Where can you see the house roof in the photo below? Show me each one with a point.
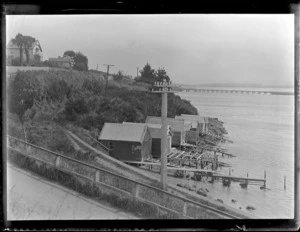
(123, 132)
(175, 124)
(13, 45)
(154, 129)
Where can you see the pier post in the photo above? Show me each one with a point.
(265, 177)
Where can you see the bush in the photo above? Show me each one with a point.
(15, 62)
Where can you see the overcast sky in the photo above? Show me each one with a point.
(193, 49)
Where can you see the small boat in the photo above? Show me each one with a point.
(244, 185)
(226, 182)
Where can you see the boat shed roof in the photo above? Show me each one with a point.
(123, 132)
(175, 124)
(198, 118)
(154, 129)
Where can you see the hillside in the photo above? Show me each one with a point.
(43, 104)
(79, 98)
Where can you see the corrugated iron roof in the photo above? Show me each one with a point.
(154, 129)
(198, 118)
(175, 124)
(192, 121)
(123, 132)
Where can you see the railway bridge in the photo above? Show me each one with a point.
(236, 91)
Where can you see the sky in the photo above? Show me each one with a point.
(193, 49)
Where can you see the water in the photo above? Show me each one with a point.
(262, 129)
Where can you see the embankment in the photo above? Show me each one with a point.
(144, 200)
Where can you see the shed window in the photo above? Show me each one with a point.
(110, 145)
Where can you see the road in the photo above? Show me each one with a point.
(30, 197)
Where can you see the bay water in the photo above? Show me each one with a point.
(262, 130)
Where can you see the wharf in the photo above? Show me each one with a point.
(203, 172)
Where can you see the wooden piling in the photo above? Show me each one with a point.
(265, 177)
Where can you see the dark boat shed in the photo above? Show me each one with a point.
(155, 132)
(127, 142)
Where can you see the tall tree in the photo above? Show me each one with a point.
(161, 75)
(80, 60)
(18, 40)
(147, 72)
(24, 42)
(28, 41)
(69, 53)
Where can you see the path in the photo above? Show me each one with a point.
(33, 198)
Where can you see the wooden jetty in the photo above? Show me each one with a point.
(199, 173)
(222, 152)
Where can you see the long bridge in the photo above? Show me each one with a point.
(232, 91)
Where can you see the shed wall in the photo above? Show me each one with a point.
(124, 150)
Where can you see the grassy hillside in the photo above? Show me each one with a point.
(79, 98)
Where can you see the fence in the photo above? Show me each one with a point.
(159, 202)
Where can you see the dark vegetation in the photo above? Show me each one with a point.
(149, 75)
(79, 98)
(80, 60)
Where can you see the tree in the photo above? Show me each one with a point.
(119, 76)
(24, 42)
(69, 53)
(18, 40)
(28, 41)
(80, 60)
(161, 74)
(148, 72)
(22, 96)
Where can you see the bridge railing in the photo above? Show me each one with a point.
(163, 200)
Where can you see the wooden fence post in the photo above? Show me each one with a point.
(97, 176)
(184, 209)
(57, 161)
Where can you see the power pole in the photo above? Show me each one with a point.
(137, 71)
(107, 65)
(164, 88)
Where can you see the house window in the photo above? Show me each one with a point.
(110, 145)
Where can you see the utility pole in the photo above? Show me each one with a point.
(164, 88)
(137, 71)
(107, 65)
